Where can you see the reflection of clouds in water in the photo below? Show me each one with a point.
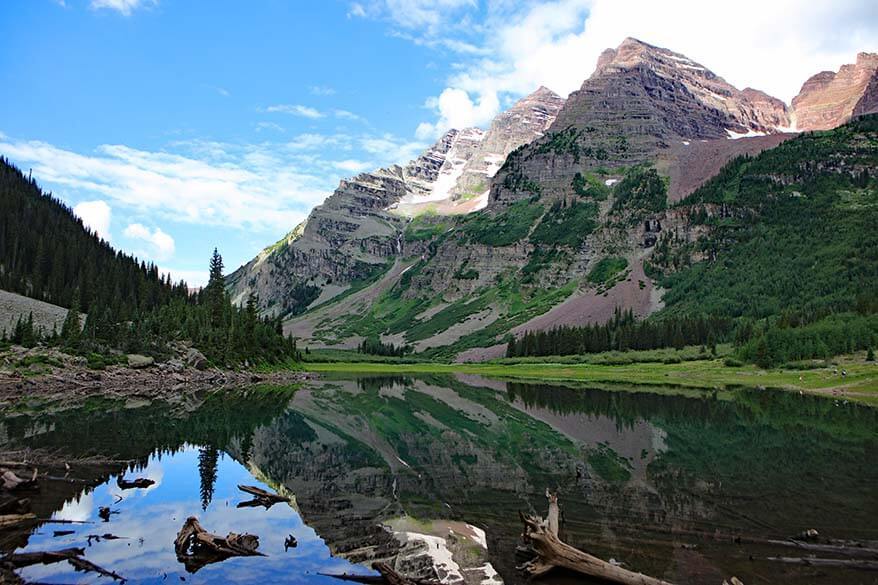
(150, 518)
(78, 509)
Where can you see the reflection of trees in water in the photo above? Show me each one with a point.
(378, 383)
(108, 429)
(208, 458)
(804, 455)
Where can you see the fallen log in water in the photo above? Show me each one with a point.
(196, 547)
(8, 520)
(260, 497)
(388, 576)
(551, 552)
(828, 563)
(71, 555)
(140, 482)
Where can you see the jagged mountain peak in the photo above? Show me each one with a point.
(747, 112)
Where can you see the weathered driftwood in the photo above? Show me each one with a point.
(140, 482)
(8, 520)
(71, 555)
(551, 553)
(828, 563)
(9, 480)
(196, 547)
(260, 497)
(104, 513)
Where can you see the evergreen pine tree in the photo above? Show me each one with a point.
(216, 292)
(72, 327)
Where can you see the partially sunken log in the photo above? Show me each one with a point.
(140, 482)
(388, 576)
(552, 552)
(8, 520)
(260, 497)
(196, 547)
(71, 555)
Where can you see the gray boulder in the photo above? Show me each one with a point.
(195, 359)
(137, 361)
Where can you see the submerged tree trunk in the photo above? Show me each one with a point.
(552, 552)
(196, 547)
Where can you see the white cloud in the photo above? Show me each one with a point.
(295, 110)
(456, 110)
(356, 10)
(260, 126)
(353, 166)
(346, 115)
(321, 90)
(125, 7)
(161, 245)
(267, 186)
(96, 216)
(772, 46)
(253, 186)
(430, 15)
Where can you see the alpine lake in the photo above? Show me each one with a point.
(686, 485)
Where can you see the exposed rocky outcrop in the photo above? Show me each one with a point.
(359, 227)
(829, 99)
(640, 102)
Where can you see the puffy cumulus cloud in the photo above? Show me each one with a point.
(96, 216)
(773, 46)
(161, 245)
(456, 110)
(125, 7)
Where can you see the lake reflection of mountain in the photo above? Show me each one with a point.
(631, 466)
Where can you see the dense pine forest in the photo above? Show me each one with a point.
(787, 268)
(47, 253)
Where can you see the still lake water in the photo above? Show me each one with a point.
(656, 480)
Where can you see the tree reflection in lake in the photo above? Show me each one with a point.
(631, 466)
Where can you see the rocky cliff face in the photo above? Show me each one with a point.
(640, 102)
(747, 110)
(358, 229)
(830, 99)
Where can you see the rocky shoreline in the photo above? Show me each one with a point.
(45, 375)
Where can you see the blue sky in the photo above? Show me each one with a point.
(173, 126)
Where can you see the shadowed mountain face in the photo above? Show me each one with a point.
(659, 481)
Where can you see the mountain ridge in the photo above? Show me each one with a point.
(645, 130)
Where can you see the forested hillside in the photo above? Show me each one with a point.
(786, 264)
(47, 253)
